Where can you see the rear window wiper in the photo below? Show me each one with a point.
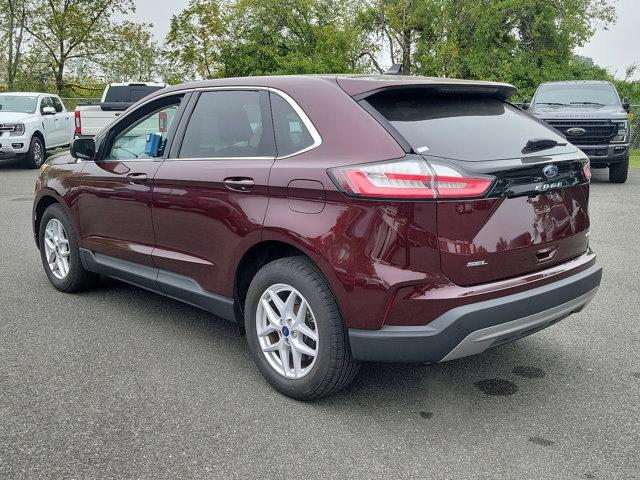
(553, 103)
(536, 144)
(588, 103)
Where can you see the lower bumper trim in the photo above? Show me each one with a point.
(471, 329)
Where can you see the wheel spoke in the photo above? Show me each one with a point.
(272, 316)
(284, 358)
(303, 347)
(302, 312)
(288, 305)
(277, 301)
(274, 347)
(297, 359)
(307, 332)
(271, 328)
(50, 243)
(63, 254)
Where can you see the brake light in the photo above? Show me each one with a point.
(78, 122)
(410, 178)
(586, 171)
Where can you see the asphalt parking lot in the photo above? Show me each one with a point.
(121, 383)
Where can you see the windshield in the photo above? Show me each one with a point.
(462, 127)
(577, 94)
(18, 103)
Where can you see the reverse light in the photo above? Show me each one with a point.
(409, 178)
(78, 122)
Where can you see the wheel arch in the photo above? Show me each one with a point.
(256, 257)
(38, 133)
(47, 197)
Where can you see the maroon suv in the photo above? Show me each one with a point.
(340, 219)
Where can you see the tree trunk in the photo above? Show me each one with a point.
(406, 52)
(10, 76)
(59, 77)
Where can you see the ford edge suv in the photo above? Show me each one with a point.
(338, 219)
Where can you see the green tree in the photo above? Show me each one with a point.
(295, 37)
(194, 40)
(137, 56)
(68, 30)
(13, 16)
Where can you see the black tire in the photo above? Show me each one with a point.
(334, 367)
(36, 155)
(78, 279)
(618, 172)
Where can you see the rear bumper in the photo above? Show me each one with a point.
(473, 328)
(603, 155)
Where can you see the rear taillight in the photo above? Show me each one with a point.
(586, 171)
(409, 178)
(78, 122)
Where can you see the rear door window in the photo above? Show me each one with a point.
(462, 126)
(229, 124)
(292, 135)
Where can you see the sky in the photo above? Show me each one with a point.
(615, 48)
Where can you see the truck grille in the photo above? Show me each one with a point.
(595, 131)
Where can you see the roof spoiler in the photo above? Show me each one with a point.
(499, 91)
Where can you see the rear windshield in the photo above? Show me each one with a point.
(577, 94)
(463, 127)
(129, 94)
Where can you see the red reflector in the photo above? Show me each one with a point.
(78, 122)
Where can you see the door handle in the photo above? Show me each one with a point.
(137, 177)
(239, 184)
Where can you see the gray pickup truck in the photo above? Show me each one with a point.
(590, 114)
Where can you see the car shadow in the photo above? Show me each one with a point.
(506, 371)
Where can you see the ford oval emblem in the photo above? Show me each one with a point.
(576, 131)
(550, 171)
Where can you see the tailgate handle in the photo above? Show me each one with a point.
(546, 254)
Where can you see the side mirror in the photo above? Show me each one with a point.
(84, 149)
(48, 111)
(626, 104)
(526, 103)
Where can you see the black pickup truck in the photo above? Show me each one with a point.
(590, 114)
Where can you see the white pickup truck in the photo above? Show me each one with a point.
(31, 124)
(92, 118)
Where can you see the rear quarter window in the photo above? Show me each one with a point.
(462, 126)
(291, 133)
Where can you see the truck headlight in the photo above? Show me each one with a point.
(18, 129)
(623, 132)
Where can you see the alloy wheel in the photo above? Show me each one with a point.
(38, 153)
(287, 331)
(56, 248)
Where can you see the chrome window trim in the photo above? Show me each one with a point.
(315, 135)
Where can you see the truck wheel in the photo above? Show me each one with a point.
(618, 172)
(295, 331)
(36, 154)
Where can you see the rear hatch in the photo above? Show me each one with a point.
(534, 213)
